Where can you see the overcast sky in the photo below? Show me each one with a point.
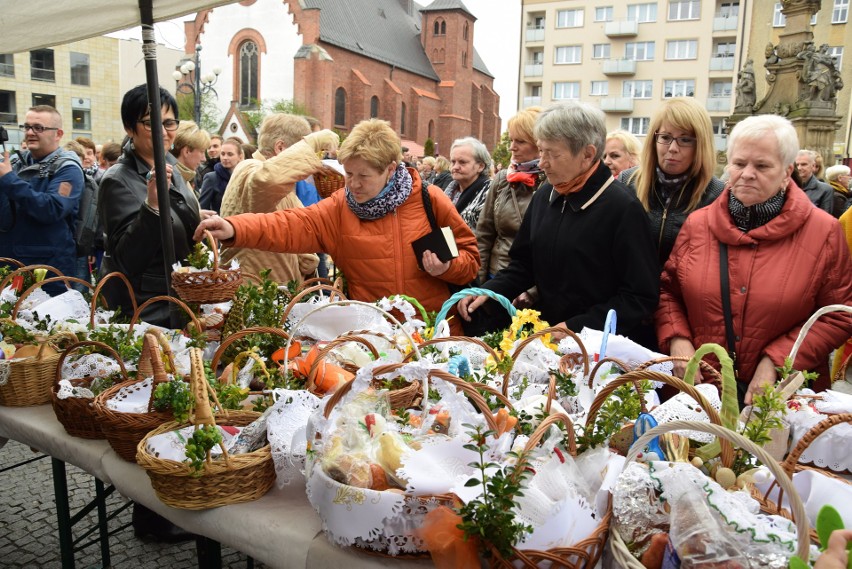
(496, 38)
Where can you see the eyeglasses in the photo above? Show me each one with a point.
(36, 128)
(168, 124)
(667, 139)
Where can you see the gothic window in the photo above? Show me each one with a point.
(249, 71)
(374, 107)
(464, 59)
(464, 32)
(431, 129)
(340, 107)
(437, 28)
(443, 28)
(402, 120)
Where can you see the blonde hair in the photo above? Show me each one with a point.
(430, 160)
(442, 164)
(189, 135)
(628, 140)
(373, 141)
(284, 127)
(76, 148)
(521, 125)
(686, 114)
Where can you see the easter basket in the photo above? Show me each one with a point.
(207, 287)
(232, 479)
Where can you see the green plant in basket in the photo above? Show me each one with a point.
(767, 414)
(199, 444)
(489, 518)
(127, 345)
(623, 406)
(174, 396)
(787, 370)
(255, 305)
(200, 257)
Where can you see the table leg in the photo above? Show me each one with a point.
(209, 553)
(63, 514)
(103, 519)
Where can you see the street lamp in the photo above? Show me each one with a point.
(203, 83)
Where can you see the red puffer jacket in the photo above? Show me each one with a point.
(375, 256)
(780, 274)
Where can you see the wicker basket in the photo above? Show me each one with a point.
(231, 480)
(96, 294)
(620, 552)
(125, 430)
(208, 287)
(328, 181)
(182, 305)
(77, 414)
(25, 269)
(307, 291)
(27, 381)
(584, 355)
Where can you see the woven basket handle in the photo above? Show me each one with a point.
(99, 345)
(39, 284)
(27, 269)
(446, 339)
(338, 394)
(810, 322)
(606, 359)
(798, 508)
(325, 350)
(138, 313)
(789, 463)
(235, 368)
(10, 261)
(477, 387)
(706, 368)
(333, 292)
(220, 351)
(532, 337)
(100, 286)
(634, 377)
(473, 291)
(203, 413)
(213, 246)
(387, 315)
(152, 359)
(544, 426)
(336, 284)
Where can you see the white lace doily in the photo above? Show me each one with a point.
(132, 398)
(70, 305)
(89, 365)
(682, 407)
(331, 322)
(832, 449)
(171, 445)
(286, 431)
(67, 390)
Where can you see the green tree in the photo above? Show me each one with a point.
(501, 152)
(211, 120)
(429, 147)
(255, 116)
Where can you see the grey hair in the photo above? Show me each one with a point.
(574, 124)
(834, 172)
(756, 127)
(480, 153)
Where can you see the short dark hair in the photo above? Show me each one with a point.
(86, 143)
(135, 105)
(111, 151)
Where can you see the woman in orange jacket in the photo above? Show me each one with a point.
(368, 228)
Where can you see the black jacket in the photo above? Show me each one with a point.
(133, 239)
(667, 221)
(820, 193)
(443, 180)
(586, 254)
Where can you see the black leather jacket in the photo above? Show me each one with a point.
(667, 219)
(133, 239)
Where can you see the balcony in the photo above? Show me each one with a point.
(9, 118)
(535, 34)
(725, 23)
(619, 67)
(532, 102)
(721, 63)
(40, 74)
(533, 70)
(720, 142)
(621, 28)
(617, 105)
(719, 104)
(7, 69)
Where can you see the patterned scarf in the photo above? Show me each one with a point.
(575, 185)
(667, 185)
(188, 174)
(524, 172)
(391, 197)
(747, 218)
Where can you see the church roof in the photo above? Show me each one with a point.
(447, 5)
(381, 30)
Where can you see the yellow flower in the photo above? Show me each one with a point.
(522, 319)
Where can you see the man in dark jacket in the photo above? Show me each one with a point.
(820, 193)
(39, 196)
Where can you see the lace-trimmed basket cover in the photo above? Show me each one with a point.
(232, 479)
(381, 522)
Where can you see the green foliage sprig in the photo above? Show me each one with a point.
(622, 406)
(199, 257)
(175, 396)
(14, 333)
(126, 344)
(489, 518)
(261, 305)
(766, 415)
(787, 369)
(197, 446)
(565, 384)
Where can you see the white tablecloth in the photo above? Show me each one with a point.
(281, 529)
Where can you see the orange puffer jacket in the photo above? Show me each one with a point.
(375, 256)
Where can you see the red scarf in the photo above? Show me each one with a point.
(575, 185)
(526, 178)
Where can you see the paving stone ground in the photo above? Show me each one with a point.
(28, 530)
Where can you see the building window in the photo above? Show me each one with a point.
(841, 12)
(249, 70)
(465, 31)
(639, 51)
(837, 53)
(600, 88)
(41, 65)
(464, 59)
(44, 99)
(79, 68)
(443, 28)
(436, 29)
(636, 125)
(601, 51)
(729, 10)
(566, 90)
(81, 114)
(779, 20)
(603, 14)
(684, 9)
(725, 49)
(402, 120)
(7, 65)
(720, 128)
(374, 107)
(642, 13)
(681, 49)
(340, 107)
(721, 88)
(679, 88)
(569, 18)
(535, 90)
(8, 109)
(430, 130)
(638, 89)
(569, 54)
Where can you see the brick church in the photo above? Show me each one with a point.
(413, 66)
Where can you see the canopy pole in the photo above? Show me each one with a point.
(149, 51)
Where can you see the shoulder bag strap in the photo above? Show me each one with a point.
(427, 205)
(726, 301)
